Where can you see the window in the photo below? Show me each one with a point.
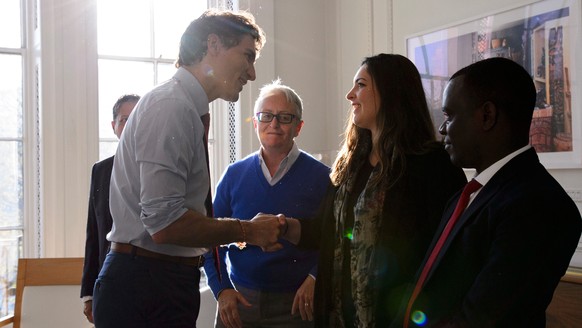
(92, 53)
(138, 53)
(11, 149)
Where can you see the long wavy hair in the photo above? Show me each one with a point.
(403, 121)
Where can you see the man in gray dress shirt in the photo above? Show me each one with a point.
(160, 183)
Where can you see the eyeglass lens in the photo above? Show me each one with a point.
(281, 118)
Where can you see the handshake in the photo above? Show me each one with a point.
(264, 230)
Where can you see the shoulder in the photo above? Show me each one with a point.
(101, 173)
(166, 108)
(532, 196)
(246, 161)
(243, 164)
(436, 157)
(166, 102)
(311, 161)
(435, 169)
(526, 177)
(162, 119)
(104, 165)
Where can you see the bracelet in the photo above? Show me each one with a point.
(286, 227)
(242, 244)
(244, 233)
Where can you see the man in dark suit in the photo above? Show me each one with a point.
(505, 254)
(99, 218)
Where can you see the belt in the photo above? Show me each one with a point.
(197, 261)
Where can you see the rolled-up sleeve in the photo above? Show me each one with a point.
(167, 143)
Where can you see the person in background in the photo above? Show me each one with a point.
(269, 289)
(98, 217)
(392, 180)
(506, 253)
(160, 184)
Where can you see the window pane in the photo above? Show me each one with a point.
(11, 96)
(117, 78)
(107, 149)
(165, 72)
(171, 17)
(124, 28)
(10, 21)
(132, 40)
(10, 251)
(11, 193)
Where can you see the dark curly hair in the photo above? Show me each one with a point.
(229, 26)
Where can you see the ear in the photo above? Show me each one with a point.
(213, 43)
(489, 115)
(254, 122)
(298, 128)
(113, 126)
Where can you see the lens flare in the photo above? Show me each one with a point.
(419, 318)
(349, 234)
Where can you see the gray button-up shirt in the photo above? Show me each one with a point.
(160, 170)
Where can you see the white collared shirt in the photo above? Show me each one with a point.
(160, 169)
(484, 177)
(284, 166)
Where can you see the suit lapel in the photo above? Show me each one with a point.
(502, 177)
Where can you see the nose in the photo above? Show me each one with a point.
(251, 72)
(350, 95)
(274, 122)
(443, 128)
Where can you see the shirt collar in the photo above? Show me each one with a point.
(284, 166)
(291, 156)
(489, 172)
(193, 89)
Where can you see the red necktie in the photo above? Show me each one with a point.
(208, 202)
(470, 188)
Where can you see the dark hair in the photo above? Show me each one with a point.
(504, 83)
(229, 26)
(121, 100)
(403, 121)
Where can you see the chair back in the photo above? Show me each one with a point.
(47, 293)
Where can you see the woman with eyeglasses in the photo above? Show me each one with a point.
(391, 181)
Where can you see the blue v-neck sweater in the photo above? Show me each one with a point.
(242, 192)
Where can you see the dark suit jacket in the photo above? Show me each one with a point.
(98, 224)
(506, 255)
(411, 214)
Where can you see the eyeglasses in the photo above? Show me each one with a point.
(266, 117)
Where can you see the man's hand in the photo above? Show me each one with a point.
(228, 300)
(88, 310)
(304, 299)
(264, 231)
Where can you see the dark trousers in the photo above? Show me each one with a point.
(268, 310)
(134, 291)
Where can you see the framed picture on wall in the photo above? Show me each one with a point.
(545, 38)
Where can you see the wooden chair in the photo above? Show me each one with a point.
(47, 294)
(565, 310)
